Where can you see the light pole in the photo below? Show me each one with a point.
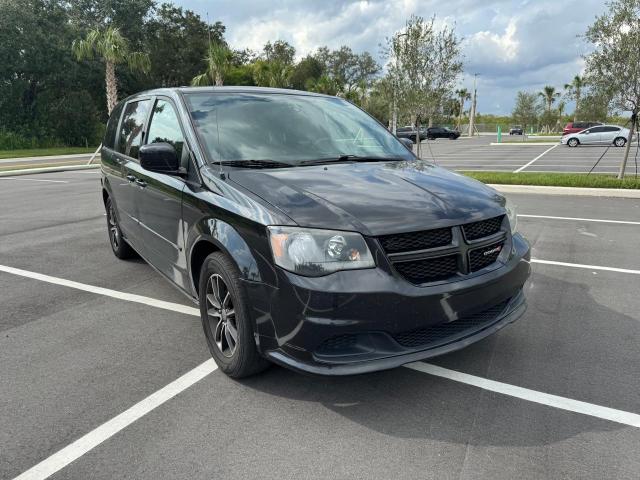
(472, 114)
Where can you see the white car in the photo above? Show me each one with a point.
(598, 135)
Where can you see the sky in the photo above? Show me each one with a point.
(512, 45)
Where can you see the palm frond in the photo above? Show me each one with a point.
(201, 80)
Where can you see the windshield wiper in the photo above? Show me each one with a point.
(256, 163)
(352, 158)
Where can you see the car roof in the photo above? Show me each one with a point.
(231, 89)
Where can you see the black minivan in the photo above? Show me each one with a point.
(310, 236)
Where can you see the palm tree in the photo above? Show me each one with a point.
(113, 49)
(218, 64)
(463, 94)
(272, 73)
(561, 106)
(323, 84)
(574, 90)
(549, 96)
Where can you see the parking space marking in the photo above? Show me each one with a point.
(562, 403)
(587, 267)
(33, 180)
(129, 297)
(624, 222)
(95, 437)
(533, 161)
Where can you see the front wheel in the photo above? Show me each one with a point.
(224, 310)
(620, 142)
(573, 142)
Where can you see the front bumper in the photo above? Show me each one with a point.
(361, 321)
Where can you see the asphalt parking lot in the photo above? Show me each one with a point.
(87, 369)
(478, 154)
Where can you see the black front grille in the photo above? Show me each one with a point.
(484, 256)
(428, 269)
(484, 228)
(450, 331)
(404, 242)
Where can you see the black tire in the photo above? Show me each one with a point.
(573, 142)
(119, 245)
(620, 142)
(239, 359)
(452, 137)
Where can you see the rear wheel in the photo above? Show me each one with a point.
(119, 245)
(224, 310)
(620, 142)
(573, 142)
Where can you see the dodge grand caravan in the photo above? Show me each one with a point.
(308, 234)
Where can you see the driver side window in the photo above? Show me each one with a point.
(165, 128)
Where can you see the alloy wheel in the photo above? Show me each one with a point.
(221, 315)
(114, 231)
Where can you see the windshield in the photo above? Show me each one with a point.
(287, 128)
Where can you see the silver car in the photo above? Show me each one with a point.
(599, 135)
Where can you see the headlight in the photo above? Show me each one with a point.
(512, 215)
(314, 253)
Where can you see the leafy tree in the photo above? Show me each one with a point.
(274, 73)
(594, 107)
(463, 95)
(574, 92)
(218, 61)
(113, 49)
(309, 68)
(525, 111)
(427, 64)
(323, 84)
(613, 68)
(346, 68)
(279, 51)
(177, 42)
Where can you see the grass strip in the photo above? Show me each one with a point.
(556, 179)
(44, 152)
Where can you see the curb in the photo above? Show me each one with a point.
(576, 191)
(61, 168)
(525, 144)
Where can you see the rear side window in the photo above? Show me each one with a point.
(610, 129)
(165, 128)
(112, 126)
(580, 125)
(130, 138)
(597, 130)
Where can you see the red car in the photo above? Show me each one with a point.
(575, 127)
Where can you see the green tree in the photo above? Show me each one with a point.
(113, 49)
(323, 84)
(574, 92)
(346, 68)
(309, 68)
(279, 51)
(463, 95)
(427, 63)
(525, 111)
(274, 73)
(613, 68)
(218, 60)
(177, 43)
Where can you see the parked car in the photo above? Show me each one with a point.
(409, 132)
(516, 130)
(575, 127)
(603, 134)
(442, 132)
(323, 246)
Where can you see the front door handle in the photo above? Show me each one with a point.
(141, 183)
(131, 178)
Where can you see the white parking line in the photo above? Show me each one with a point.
(532, 161)
(586, 267)
(129, 297)
(33, 180)
(613, 415)
(624, 222)
(95, 437)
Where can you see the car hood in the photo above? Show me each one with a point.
(373, 198)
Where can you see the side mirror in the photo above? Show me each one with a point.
(407, 143)
(159, 157)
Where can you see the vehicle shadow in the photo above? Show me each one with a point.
(541, 352)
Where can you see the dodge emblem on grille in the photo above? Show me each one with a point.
(492, 250)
